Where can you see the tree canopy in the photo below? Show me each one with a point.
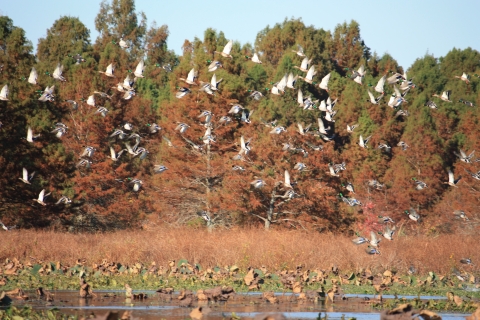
(201, 174)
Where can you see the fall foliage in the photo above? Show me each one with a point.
(199, 187)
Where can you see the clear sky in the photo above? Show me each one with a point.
(405, 29)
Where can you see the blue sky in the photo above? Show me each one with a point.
(405, 29)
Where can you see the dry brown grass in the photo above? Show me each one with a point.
(243, 247)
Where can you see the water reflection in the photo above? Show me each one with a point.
(246, 306)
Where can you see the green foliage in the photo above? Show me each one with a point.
(67, 36)
(118, 19)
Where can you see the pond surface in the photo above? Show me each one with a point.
(246, 306)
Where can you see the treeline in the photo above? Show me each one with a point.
(199, 186)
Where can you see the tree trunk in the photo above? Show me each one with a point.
(207, 183)
(268, 221)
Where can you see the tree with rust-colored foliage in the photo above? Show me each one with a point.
(200, 176)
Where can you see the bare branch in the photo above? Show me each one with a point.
(260, 217)
(292, 221)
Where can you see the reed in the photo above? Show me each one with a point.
(243, 247)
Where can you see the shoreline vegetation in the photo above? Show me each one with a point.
(305, 264)
(274, 250)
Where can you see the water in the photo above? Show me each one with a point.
(246, 306)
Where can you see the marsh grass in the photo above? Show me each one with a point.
(275, 250)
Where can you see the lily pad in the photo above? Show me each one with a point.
(182, 261)
(35, 269)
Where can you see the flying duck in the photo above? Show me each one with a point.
(226, 50)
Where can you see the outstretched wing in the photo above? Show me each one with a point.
(380, 84)
(140, 67)
(41, 195)
(451, 178)
(324, 83)
(112, 153)
(33, 76)
(311, 72)
(228, 47)
(287, 179)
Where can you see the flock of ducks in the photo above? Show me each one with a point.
(401, 86)
(127, 87)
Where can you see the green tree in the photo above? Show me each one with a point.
(118, 19)
(67, 36)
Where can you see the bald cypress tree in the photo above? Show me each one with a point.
(118, 20)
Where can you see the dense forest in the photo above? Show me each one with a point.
(124, 142)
